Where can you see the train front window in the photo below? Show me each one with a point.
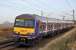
(19, 22)
(29, 23)
(24, 23)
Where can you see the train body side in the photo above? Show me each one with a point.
(41, 27)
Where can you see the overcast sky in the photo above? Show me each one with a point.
(9, 9)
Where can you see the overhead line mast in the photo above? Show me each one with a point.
(74, 16)
(46, 19)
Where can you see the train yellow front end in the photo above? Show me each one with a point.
(24, 30)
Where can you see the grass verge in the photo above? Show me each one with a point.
(63, 42)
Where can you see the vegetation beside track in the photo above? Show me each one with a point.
(5, 32)
(64, 42)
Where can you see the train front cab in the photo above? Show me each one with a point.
(24, 31)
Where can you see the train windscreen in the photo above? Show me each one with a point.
(24, 23)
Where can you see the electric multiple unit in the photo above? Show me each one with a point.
(28, 27)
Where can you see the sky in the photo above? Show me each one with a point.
(9, 9)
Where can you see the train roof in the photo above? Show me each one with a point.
(43, 19)
(25, 16)
(52, 20)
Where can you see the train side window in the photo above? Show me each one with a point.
(48, 26)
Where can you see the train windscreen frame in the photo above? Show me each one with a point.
(24, 23)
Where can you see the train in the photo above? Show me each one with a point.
(30, 27)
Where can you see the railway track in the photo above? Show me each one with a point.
(38, 45)
(7, 44)
(12, 46)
